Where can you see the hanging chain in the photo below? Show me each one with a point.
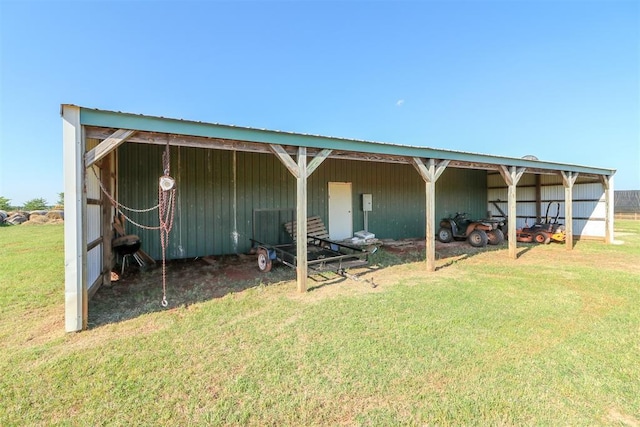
(144, 227)
(166, 214)
(119, 205)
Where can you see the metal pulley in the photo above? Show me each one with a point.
(167, 183)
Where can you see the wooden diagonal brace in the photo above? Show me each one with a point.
(440, 167)
(432, 171)
(286, 159)
(605, 180)
(106, 146)
(569, 178)
(317, 161)
(511, 174)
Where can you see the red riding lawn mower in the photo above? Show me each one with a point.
(543, 232)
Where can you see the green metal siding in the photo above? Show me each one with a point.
(217, 192)
(397, 191)
(398, 194)
(462, 190)
(215, 200)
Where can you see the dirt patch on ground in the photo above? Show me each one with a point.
(140, 290)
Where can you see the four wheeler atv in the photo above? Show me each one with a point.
(477, 233)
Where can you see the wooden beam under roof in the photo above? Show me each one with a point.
(186, 141)
(159, 138)
(228, 144)
(171, 126)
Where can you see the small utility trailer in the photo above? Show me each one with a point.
(323, 254)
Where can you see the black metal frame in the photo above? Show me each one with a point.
(322, 254)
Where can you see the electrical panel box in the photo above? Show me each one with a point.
(367, 203)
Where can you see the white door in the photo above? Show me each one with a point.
(340, 208)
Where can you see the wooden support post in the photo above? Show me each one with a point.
(107, 221)
(301, 220)
(301, 171)
(568, 179)
(430, 246)
(430, 174)
(511, 176)
(607, 186)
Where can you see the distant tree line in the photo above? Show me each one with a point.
(37, 204)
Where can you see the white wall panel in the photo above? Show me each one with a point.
(93, 187)
(588, 191)
(94, 264)
(495, 180)
(551, 180)
(526, 193)
(588, 228)
(555, 192)
(588, 205)
(527, 179)
(93, 223)
(591, 210)
(498, 194)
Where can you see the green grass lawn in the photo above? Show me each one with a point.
(552, 338)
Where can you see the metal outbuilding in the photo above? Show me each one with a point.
(226, 173)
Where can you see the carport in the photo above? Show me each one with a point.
(92, 139)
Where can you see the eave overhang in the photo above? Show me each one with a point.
(199, 132)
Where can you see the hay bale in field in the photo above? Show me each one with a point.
(37, 212)
(34, 217)
(55, 215)
(17, 218)
(37, 219)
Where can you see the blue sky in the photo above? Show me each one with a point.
(556, 79)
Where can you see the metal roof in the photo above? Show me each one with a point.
(139, 122)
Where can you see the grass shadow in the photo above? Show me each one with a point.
(328, 278)
(523, 250)
(193, 281)
(190, 281)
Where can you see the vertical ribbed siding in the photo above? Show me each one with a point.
(262, 183)
(213, 207)
(139, 168)
(398, 195)
(93, 218)
(217, 192)
(461, 190)
(588, 202)
(397, 192)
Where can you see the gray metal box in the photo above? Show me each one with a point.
(367, 202)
